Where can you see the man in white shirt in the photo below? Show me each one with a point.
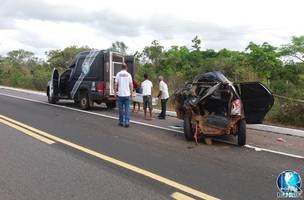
(164, 96)
(124, 88)
(146, 86)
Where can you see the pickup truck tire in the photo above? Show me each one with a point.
(52, 99)
(189, 135)
(84, 101)
(111, 105)
(241, 134)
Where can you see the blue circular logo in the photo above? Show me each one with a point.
(289, 183)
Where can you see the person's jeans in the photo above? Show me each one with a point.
(123, 107)
(163, 108)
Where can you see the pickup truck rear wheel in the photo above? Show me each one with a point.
(241, 135)
(188, 130)
(51, 99)
(84, 101)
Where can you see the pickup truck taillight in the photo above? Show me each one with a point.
(100, 87)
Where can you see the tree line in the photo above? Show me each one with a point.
(281, 68)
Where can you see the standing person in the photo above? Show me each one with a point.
(146, 86)
(164, 96)
(124, 88)
(137, 90)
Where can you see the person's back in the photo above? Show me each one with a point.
(146, 87)
(147, 98)
(123, 79)
(124, 86)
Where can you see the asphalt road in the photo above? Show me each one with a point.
(31, 169)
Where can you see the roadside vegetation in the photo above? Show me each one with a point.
(280, 68)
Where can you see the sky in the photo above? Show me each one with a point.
(42, 25)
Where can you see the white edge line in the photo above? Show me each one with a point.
(269, 128)
(145, 124)
(91, 113)
(276, 130)
(23, 90)
(273, 151)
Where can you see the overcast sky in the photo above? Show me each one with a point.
(40, 25)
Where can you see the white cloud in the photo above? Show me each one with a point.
(38, 26)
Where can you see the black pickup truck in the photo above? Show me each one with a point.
(90, 78)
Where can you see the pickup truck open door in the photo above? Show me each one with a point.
(53, 87)
(113, 62)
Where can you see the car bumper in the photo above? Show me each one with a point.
(95, 96)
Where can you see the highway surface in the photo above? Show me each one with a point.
(61, 152)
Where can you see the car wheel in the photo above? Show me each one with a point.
(84, 101)
(111, 105)
(51, 99)
(241, 135)
(188, 130)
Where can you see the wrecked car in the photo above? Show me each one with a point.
(211, 105)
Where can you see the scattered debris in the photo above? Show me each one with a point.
(281, 140)
(257, 149)
(208, 141)
(176, 127)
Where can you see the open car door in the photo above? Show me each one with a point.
(129, 60)
(257, 101)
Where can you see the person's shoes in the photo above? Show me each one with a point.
(127, 125)
(120, 124)
(161, 117)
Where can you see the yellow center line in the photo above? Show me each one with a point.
(27, 132)
(180, 196)
(122, 164)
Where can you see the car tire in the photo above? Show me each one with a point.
(241, 134)
(188, 132)
(84, 101)
(51, 100)
(111, 105)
